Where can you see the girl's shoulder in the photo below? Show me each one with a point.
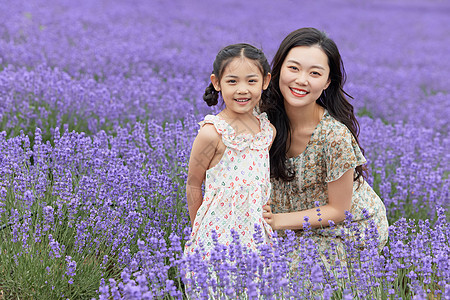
(208, 119)
(267, 128)
(215, 122)
(262, 117)
(208, 126)
(207, 135)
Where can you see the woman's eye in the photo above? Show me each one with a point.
(315, 73)
(253, 81)
(293, 68)
(231, 81)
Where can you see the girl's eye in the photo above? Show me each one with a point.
(315, 73)
(253, 81)
(231, 81)
(293, 68)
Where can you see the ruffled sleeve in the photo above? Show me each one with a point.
(263, 139)
(209, 119)
(342, 153)
(221, 125)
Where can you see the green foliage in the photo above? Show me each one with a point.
(29, 268)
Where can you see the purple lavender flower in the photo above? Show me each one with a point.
(55, 248)
(70, 268)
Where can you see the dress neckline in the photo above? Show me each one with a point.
(232, 131)
(325, 112)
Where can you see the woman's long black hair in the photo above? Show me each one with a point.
(333, 98)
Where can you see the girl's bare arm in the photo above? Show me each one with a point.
(203, 150)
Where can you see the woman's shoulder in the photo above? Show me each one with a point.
(332, 128)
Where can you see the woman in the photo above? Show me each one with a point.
(316, 160)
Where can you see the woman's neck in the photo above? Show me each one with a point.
(305, 117)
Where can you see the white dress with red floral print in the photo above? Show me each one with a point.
(235, 189)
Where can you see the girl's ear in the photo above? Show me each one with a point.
(267, 81)
(215, 82)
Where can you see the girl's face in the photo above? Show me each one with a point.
(304, 75)
(241, 85)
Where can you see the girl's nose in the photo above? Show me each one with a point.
(242, 90)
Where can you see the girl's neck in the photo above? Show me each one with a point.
(241, 123)
(232, 116)
(304, 117)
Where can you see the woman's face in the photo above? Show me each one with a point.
(304, 75)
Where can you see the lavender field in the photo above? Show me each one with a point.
(99, 104)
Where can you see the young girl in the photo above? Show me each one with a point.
(316, 159)
(231, 153)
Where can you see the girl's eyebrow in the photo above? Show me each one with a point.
(313, 66)
(235, 76)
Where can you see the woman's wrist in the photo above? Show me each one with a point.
(275, 221)
(288, 221)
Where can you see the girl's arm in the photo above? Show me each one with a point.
(203, 150)
(339, 200)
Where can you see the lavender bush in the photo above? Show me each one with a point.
(99, 104)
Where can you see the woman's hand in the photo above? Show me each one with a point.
(268, 216)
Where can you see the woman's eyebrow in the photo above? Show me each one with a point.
(313, 66)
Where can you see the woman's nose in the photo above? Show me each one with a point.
(301, 79)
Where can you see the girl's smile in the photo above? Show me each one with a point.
(242, 101)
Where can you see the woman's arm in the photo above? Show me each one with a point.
(339, 200)
(203, 150)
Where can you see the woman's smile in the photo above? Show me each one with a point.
(299, 92)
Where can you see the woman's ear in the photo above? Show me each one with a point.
(328, 83)
(215, 82)
(267, 81)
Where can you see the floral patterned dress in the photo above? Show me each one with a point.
(331, 151)
(235, 189)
